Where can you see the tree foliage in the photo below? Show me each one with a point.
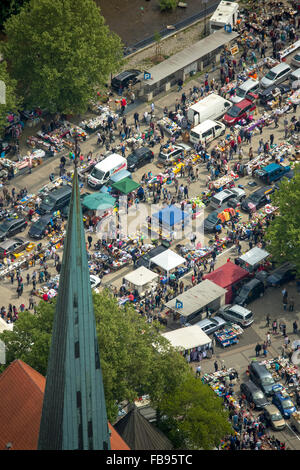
(168, 4)
(196, 415)
(135, 360)
(130, 361)
(59, 51)
(283, 234)
(12, 102)
(8, 8)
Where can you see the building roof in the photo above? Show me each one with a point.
(187, 56)
(227, 274)
(254, 256)
(141, 276)
(168, 260)
(74, 409)
(140, 434)
(196, 298)
(188, 337)
(22, 391)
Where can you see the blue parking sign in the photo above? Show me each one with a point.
(147, 76)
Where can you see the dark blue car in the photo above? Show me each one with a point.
(284, 273)
(284, 404)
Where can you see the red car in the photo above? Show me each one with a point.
(238, 111)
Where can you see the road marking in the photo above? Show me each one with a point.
(293, 432)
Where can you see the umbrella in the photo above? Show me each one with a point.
(98, 201)
(296, 84)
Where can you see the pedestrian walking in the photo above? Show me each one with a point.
(257, 349)
(90, 241)
(268, 318)
(198, 371)
(216, 366)
(295, 327)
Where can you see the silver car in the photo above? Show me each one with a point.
(276, 75)
(210, 325)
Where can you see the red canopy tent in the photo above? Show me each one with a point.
(227, 276)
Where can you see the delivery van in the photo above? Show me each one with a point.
(206, 131)
(212, 107)
(104, 170)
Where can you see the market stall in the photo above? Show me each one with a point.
(141, 279)
(191, 341)
(168, 260)
(253, 258)
(228, 335)
(228, 276)
(197, 300)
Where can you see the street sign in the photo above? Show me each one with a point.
(147, 76)
(178, 304)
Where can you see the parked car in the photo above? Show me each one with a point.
(144, 260)
(39, 228)
(55, 200)
(14, 245)
(284, 404)
(258, 199)
(254, 395)
(170, 154)
(270, 93)
(95, 281)
(260, 375)
(65, 210)
(249, 292)
(210, 325)
(243, 90)
(296, 60)
(139, 158)
(284, 273)
(237, 314)
(122, 79)
(12, 227)
(274, 418)
(212, 220)
(239, 111)
(222, 197)
(276, 75)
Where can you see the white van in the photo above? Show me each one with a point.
(295, 76)
(206, 131)
(244, 89)
(276, 75)
(237, 314)
(212, 106)
(103, 171)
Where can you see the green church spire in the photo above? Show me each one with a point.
(74, 410)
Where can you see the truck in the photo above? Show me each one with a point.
(211, 107)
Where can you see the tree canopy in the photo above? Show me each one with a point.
(199, 414)
(59, 52)
(135, 360)
(8, 8)
(12, 102)
(283, 234)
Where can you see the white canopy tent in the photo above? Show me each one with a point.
(167, 260)
(141, 278)
(189, 337)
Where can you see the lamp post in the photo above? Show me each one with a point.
(205, 5)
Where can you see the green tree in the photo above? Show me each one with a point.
(135, 358)
(12, 102)
(195, 416)
(8, 8)
(168, 4)
(59, 51)
(283, 234)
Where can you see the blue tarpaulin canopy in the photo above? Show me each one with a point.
(170, 216)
